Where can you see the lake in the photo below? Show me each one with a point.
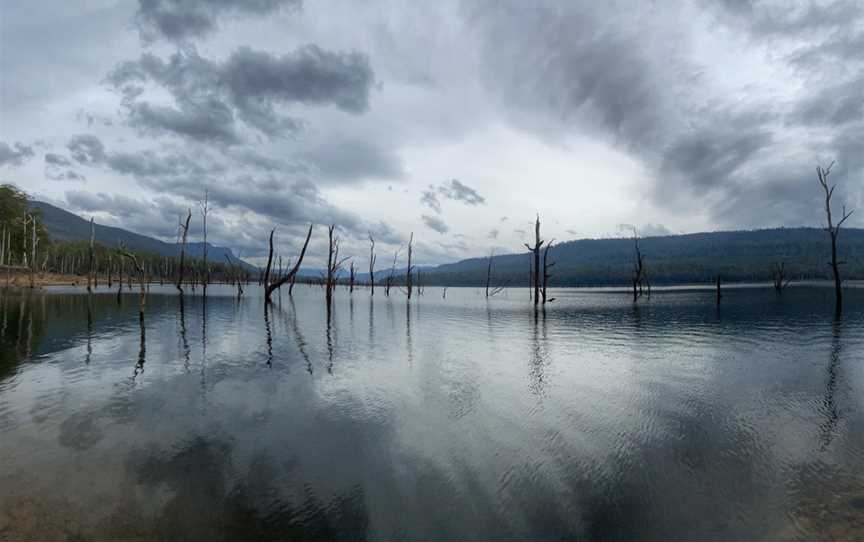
(450, 418)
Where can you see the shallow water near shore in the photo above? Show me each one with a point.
(450, 418)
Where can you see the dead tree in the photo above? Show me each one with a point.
(409, 271)
(719, 294)
(205, 210)
(778, 277)
(388, 282)
(184, 231)
(334, 264)
(546, 276)
(372, 259)
(489, 270)
(833, 232)
(268, 287)
(535, 250)
(352, 274)
(90, 249)
(141, 278)
(638, 268)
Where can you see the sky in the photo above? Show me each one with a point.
(458, 121)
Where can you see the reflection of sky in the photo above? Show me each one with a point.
(446, 419)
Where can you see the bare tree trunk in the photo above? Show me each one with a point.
(334, 264)
(205, 210)
(372, 258)
(142, 301)
(90, 252)
(410, 270)
(489, 270)
(719, 294)
(546, 266)
(352, 272)
(638, 268)
(268, 287)
(332, 254)
(833, 232)
(536, 252)
(184, 233)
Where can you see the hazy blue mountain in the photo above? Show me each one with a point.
(697, 257)
(65, 226)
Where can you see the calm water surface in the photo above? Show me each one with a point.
(445, 419)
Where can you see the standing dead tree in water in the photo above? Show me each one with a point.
(833, 231)
(638, 268)
(184, 231)
(268, 287)
(546, 276)
(136, 265)
(719, 293)
(535, 250)
(491, 292)
(90, 250)
(388, 282)
(778, 277)
(489, 270)
(409, 271)
(372, 259)
(205, 210)
(352, 274)
(334, 264)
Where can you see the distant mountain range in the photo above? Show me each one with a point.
(698, 257)
(689, 258)
(65, 226)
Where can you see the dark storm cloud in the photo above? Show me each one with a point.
(179, 20)
(267, 195)
(459, 191)
(435, 223)
(87, 149)
(210, 120)
(15, 154)
(630, 84)
(250, 85)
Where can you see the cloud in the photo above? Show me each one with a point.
(638, 85)
(58, 168)
(208, 97)
(15, 154)
(263, 198)
(430, 199)
(435, 223)
(452, 190)
(86, 149)
(348, 160)
(458, 191)
(181, 20)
